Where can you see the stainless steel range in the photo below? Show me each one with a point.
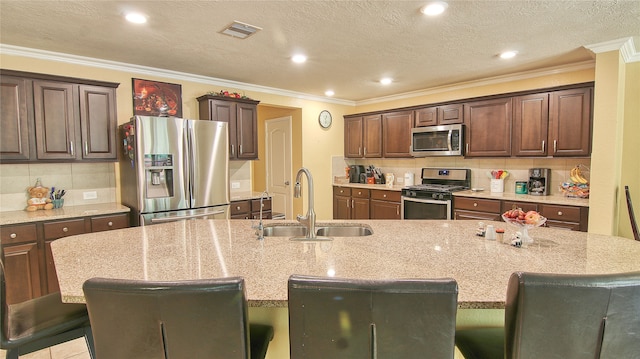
(433, 197)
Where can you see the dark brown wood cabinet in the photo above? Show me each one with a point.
(242, 116)
(15, 141)
(570, 122)
(554, 123)
(385, 204)
(54, 119)
(530, 125)
(26, 252)
(250, 209)
(363, 137)
(350, 203)
(476, 209)
(396, 134)
(558, 216)
(439, 115)
(488, 128)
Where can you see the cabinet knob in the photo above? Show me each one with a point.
(238, 208)
(13, 235)
(384, 196)
(65, 229)
(559, 213)
(475, 204)
(110, 224)
(359, 192)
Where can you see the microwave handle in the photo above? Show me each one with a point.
(449, 140)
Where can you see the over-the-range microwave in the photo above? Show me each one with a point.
(444, 140)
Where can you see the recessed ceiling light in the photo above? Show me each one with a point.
(298, 59)
(329, 93)
(386, 81)
(434, 8)
(508, 54)
(136, 18)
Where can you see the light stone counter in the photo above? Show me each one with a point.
(508, 196)
(397, 249)
(18, 217)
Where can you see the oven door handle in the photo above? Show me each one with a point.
(435, 201)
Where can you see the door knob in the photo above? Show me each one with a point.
(286, 183)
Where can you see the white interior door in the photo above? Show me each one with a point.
(278, 143)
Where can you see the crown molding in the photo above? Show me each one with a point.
(590, 64)
(152, 71)
(625, 46)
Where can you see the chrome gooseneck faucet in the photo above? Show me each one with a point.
(260, 227)
(309, 220)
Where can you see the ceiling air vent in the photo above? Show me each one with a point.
(240, 30)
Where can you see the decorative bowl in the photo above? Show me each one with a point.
(524, 227)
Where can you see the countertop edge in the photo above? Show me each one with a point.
(503, 196)
(24, 217)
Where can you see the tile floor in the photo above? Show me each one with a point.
(75, 349)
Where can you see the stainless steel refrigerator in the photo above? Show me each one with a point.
(174, 169)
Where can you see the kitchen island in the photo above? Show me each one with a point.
(396, 249)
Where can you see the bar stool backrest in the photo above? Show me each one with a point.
(344, 318)
(573, 316)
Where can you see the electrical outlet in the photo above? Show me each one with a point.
(235, 185)
(400, 179)
(90, 195)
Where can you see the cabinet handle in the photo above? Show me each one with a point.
(365, 151)
(352, 204)
(86, 148)
(239, 149)
(65, 229)
(555, 146)
(475, 204)
(467, 147)
(233, 150)
(110, 224)
(559, 213)
(13, 235)
(397, 210)
(359, 149)
(543, 145)
(71, 148)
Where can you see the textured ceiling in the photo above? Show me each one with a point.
(350, 44)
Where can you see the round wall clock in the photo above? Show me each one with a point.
(325, 119)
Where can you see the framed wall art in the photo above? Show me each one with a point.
(154, 98)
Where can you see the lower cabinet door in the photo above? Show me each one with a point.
(385, 210)
(22, 272)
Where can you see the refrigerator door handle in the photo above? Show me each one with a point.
(178, 218)
(189, 161)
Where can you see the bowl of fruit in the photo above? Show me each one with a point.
(524, 221)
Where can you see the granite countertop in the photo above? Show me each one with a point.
(19, 217)
(397, 249)
(508, 196)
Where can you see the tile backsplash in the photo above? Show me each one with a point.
(480, 168)
(75, 178)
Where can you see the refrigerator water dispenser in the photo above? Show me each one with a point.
(158, 176)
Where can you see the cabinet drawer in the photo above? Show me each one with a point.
(359, 193)
(342, 191)
(106, 223)
(561, 213)
(526, 206)
(18, 234)
(55, 230)
(477, 204)
(393, 196)
(255, 205)
(240, 207)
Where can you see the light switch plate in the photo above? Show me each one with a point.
(90, 195)
(235, 185)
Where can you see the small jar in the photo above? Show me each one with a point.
(491, 233)
(500, 235)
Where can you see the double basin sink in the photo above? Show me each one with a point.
(323, 231)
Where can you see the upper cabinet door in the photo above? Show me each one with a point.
(488, 128)
(98, 122)
(530, 125)
(247, 131)
(450, 114)
(372, 136)
(14, 119)
(353, 137)
(56, 120)
(396, 134)
(570, 122)
(426, 116)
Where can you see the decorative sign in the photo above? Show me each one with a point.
(153, 98)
